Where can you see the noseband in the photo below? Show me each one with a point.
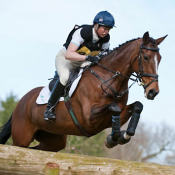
(140, 71)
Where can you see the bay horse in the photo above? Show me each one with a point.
(99, 102)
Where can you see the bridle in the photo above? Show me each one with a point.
(140, 71)
(138, 77)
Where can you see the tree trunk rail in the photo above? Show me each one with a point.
(22, 161)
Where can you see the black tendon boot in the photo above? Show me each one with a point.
(56, 93)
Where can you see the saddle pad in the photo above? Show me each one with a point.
(45, 93)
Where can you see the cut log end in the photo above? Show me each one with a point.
(51, 169)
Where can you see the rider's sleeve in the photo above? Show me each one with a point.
(76, 38)
(106, 45)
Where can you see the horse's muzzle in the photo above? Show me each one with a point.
(151, 94)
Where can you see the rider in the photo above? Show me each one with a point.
(79, 45)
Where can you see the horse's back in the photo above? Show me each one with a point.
(32, 93)
(28, 100)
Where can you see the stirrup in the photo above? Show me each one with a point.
(49, 114)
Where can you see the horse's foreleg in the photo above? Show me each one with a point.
(118, 119)
(112, 139)
(49, 141)
(137, 109)
(133, 110)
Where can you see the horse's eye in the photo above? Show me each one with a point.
(146, 58)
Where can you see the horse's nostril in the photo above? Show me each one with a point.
(152, 93)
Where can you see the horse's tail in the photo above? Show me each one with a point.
(5, 131)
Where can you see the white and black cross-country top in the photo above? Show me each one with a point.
(85, 36)
(78, 40)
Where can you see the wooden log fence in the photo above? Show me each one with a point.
(21, 161)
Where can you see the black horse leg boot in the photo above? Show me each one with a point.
(56, 93)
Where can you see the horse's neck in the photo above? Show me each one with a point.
(121, 60)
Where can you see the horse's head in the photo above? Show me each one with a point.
(147, 67)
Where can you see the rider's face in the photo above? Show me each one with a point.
(102, 31)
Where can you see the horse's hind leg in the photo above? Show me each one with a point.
(23, 131)
(49, 141)
(22, 136)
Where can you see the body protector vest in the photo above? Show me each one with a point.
(87, 47)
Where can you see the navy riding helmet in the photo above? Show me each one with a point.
(104, 18)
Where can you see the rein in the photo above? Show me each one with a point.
(116, 94)
(139, 76)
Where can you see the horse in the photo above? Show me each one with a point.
(99, 101)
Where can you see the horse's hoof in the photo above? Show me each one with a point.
(131, 133)
(109, 143)
(122, 140)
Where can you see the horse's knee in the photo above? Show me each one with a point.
(138, 107)
(58, 148)
(50, 147)
(114, 109)
(61, 144)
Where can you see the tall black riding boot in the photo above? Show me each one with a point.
(56, 93)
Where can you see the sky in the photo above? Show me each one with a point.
(33, 31)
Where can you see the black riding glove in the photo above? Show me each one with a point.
(92, 58)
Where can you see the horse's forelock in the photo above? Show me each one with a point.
(152, 40)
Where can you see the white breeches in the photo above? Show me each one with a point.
(63, 66)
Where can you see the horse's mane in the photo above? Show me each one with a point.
(120, 45)
(152, 40)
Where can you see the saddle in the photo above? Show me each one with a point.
(72, 83)
(72, 77)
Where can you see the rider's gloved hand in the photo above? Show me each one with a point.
(92, 58)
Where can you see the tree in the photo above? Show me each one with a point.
(163, 139)
(93, 146)
(170, 158)
(150, 143)
(8, 107)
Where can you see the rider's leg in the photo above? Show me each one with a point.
(56, 93)
(63, 68)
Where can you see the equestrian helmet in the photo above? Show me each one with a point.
(104, 18)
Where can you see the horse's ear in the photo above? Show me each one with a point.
(146, 38)
(159, 40)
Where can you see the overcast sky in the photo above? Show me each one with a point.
(33, 31)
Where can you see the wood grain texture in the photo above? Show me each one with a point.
(22, 161)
